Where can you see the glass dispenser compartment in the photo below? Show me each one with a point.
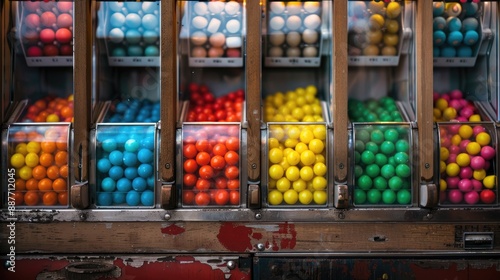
(125, 165)
(46, 32)
(37, 165)
(382, 165)
(467, 164)
(210, 164)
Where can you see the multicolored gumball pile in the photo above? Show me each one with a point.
(467, 164)
(452, 106)
(40, 158)
(215, 29)
(456, 29)
(382, 110)
(382, 171)
(125, 166)
(50, 109)
(47, 28)
(211, 158)
(133, 28)
(374, 28)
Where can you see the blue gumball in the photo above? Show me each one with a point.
(133, 198)
(121, 139)
(121, 107)
(145, 155)
(130, 173)
(148, 142)
(108, 185)
(438, 8)
(117, 20)
(133, 6)
(116, 157)
(455, 38)
(151, 182)
(118, 52)
(115, 6)
(448, 51)
(439, 38)
(129, 159)
(470, 9)
(139, 184)
(109, 145)
(116, 35)
(132, 145)
(464, 51)
(147, 198)
(103, 165)
(104, 199)
(118, 198)
(150, 7)
(469, 24)
(471, 37)
(115, 172)
(135, 51)
(133, 20)
(151, 51)
(439, 23)
(150, 36)
(123, 185)
(145, 170)
(133, 36)
(453, 24)
(150, 22)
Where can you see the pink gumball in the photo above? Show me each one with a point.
(466, 112)
(477, 162)
(476, 185)
(465, 172)
(31, 6)
(63, 35)
(455, 104)
(234, 52)
(435, 96)
(456, 94)
(478, 129)
(464, 102)
(48, 19)
(487, 152)
(487, 165)
(465, 185)
(455, 196)
(471, 197)
(452, 182)
(461, 119)
(445, 97)
(445, 142)
(64, 7)
(34, 51)
(452, 158)
(454, 149)
(453, 129)
(463, 145)
(64, 21)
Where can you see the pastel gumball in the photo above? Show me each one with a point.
(200, 8)
(65, 21)
(133, 20)
(198, 38)
(213, 25)
(150, 22)
(48, 19)
(199, 22)
(233, 42)
(32, 21)
(277, 7)
(216, 7)
(232, 8)
(277, 23)
(47, 36)
(275, 52)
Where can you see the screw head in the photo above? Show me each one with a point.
(167, 216)
(260, 247)
(231, 265)
(258, 216)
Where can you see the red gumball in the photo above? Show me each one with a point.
(64, 35)
(233, 53)
(64, 21)
(34, 51)
(50, 50)
(47, 36)
(32, 21)
(48, 19)
(487, 196)
(66, 50)
(64, 7)
(31, 36)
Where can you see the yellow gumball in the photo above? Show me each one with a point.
(483, 138)
(489, 181)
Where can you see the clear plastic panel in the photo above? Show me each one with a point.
(125, 166)
(38, 165)
(127, 53)
(382, 165)
(297, 165)
(211, 164)
(467, 164)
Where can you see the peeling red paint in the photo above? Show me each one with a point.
(235, 237)
(257, 235)
(172, 230)
(284, 238)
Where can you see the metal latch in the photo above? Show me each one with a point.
(478, 240)
(167, 197)
(254, 196)
(428, 195)
(80, 195)
(341, 196)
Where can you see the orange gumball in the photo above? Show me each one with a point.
(62, 143)
(67, 112)
(41, 104)
(39, 172)
(48, 146)
(61, 158)
(20, 184)
(18, 198)
(63, 171)
(31, 198)
(32, 184)
(53, 172)
(62, 197)
(49, 198)
(46, 159)
(20, 136)
(45, 185)
(59, 185)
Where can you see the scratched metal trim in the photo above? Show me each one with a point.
(262, 215)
